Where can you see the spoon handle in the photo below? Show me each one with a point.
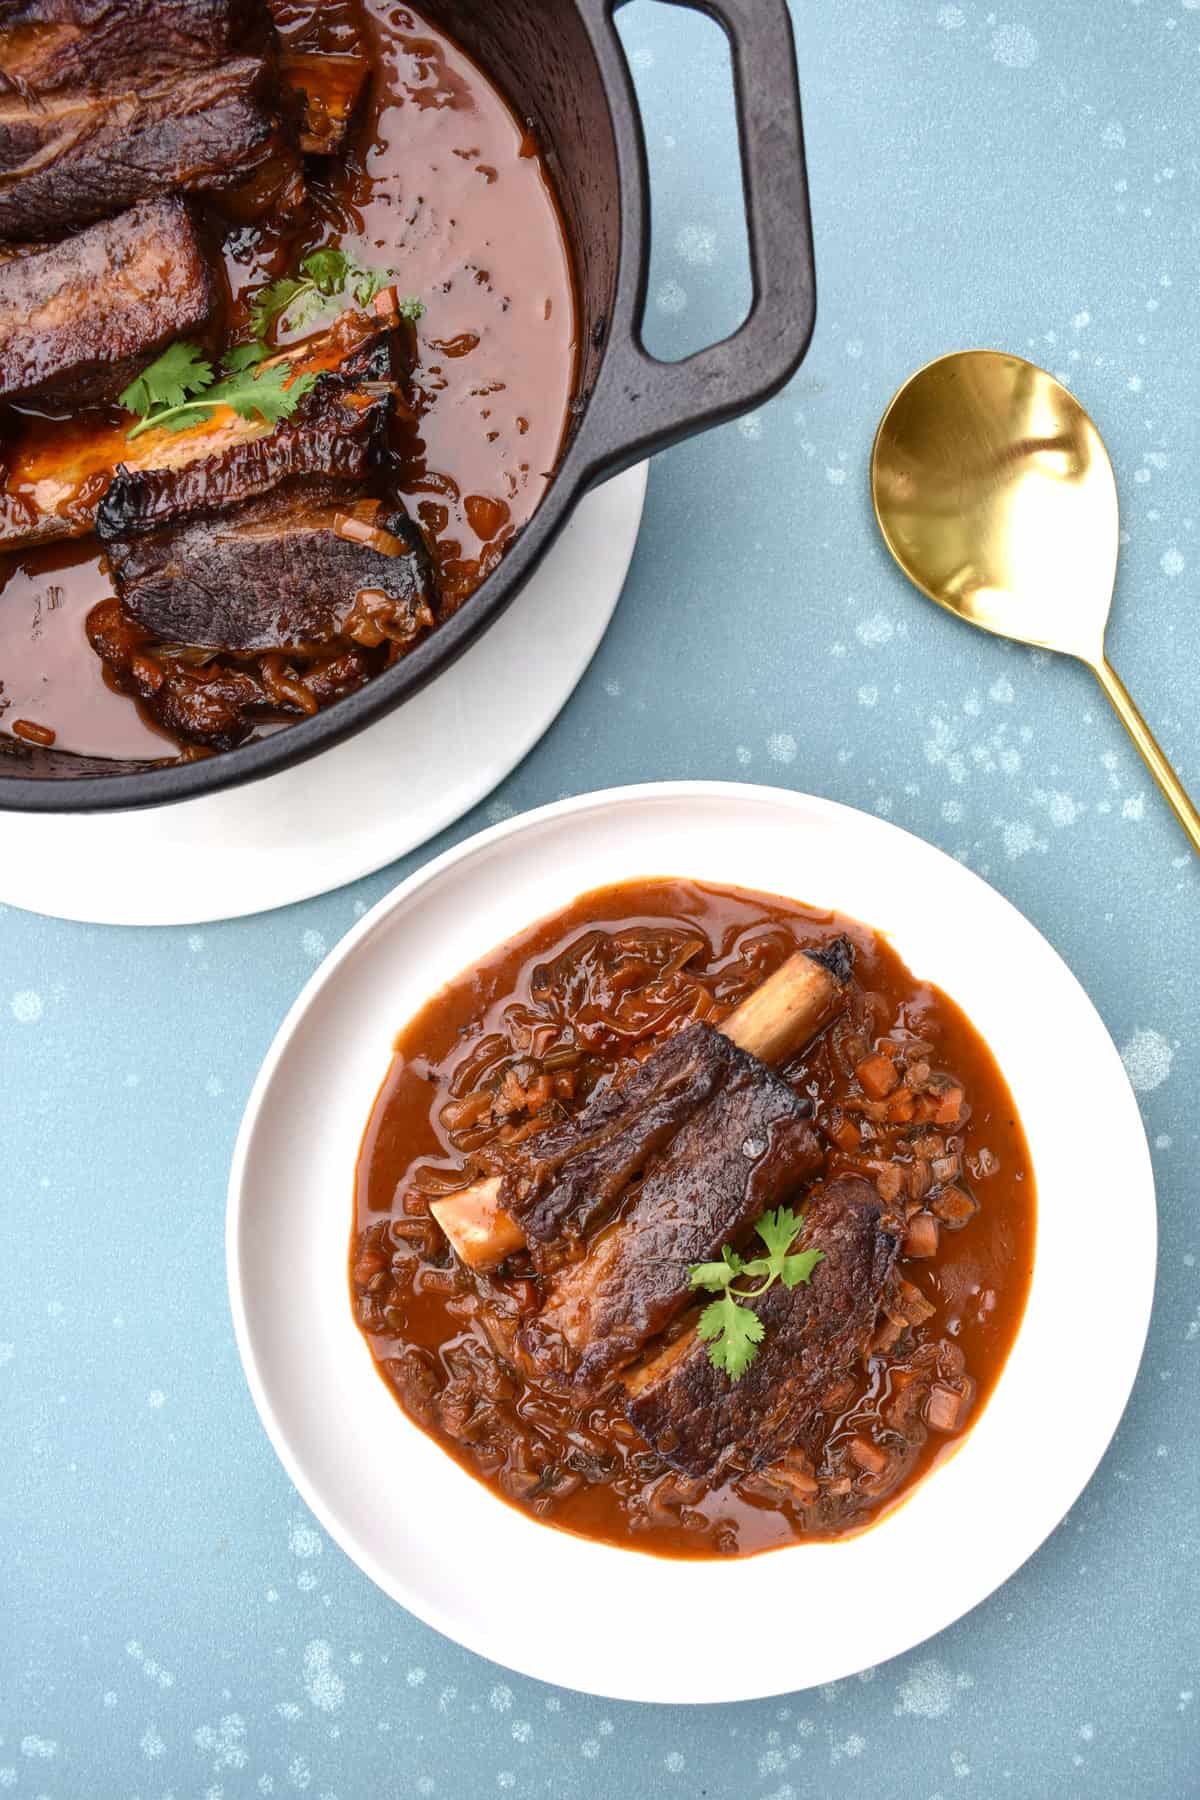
(1153, 757)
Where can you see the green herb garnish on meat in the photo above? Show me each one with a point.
(322, 275)
(180, 389)
(731, 1328)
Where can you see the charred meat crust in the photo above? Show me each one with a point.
(701, 1422)
(745, 1145)
(79, 319)
(256, 548)
(573, 1174)
(50, 44)
(76, 157)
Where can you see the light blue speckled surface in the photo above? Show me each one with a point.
(171, 1622)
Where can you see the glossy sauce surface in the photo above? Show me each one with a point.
(593, 977)
(441, 184)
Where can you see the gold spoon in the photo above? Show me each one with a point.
(995, 495)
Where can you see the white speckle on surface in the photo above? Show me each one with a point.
(506, 1779)
(642, 58)
(1147, 1058)
(697, 244)
(522, 1731)
(744, 754)
(501, 1698)
(612, 688)
(781, 747)
(1001, 691)
(1014, 46)
(928, 1693)
(299, 1773)
(1163, 1142)
(868, 696)
(8, 1776)
(1172, 562)
(875, 631)
(225, 1742)
(590, 1748)
(7, 1352)
(751, 426)
(38, 1748)
(1134, 808)
(214, 1086)
(155, 1399)
(27, 1007)
(671, 298)
(306, 1581)
(674, 1762)
(953, 18)
(287, 1709)
(110, 1698)
(1063, 810)
(852, 1746)
(304, 1540)
(152, 1745)
(959, 1764)
(952, 811)
(1019, 838)
(325, 1688)
(1114, 135)
(195, 942)
(415, 1676)
(1082, 319)
(313, 944)
(854, 347)
(835, 476)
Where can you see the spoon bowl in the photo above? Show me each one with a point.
(996, 496)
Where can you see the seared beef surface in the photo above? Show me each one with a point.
(51, 44)
(70, 158)
(79, 319)
(720, 1141)
(701, 1422)
(275, 543)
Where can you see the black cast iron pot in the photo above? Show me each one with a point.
(561, 64)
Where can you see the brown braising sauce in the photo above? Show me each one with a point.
(444, 185)
(523, 1038)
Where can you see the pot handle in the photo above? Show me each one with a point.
(642, 405)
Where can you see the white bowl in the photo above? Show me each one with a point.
(616, 1622)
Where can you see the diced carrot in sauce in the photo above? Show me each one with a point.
(942, 1409)
(949, 1107)
(901, 1107)
(877, 1076)
(953, 1207)
(921, 1238)
(867, 1455)
(844, 1133)
(888, 1182)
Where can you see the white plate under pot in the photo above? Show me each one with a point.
(438, 1541)
(361, 803)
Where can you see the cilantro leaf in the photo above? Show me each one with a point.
(412, 309)
(272, 393)
(778, 1230)
(733, 1334)
(327, 269)
(179, 373)
(732, 1329)
(245, 356)
(795, 1269)
(717, 1275)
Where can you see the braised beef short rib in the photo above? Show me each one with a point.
(286, 542)
(692, 1149)
(79, 319)
(816, 1333)
(77, 155)
(46, 45)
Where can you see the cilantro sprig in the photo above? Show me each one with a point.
(181, 388)
(322, 275)
(731, 1328)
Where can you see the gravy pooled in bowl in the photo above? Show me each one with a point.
(690, 1220)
